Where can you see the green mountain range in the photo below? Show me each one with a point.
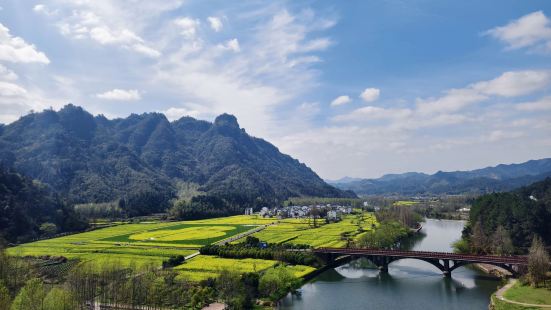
(90, 158)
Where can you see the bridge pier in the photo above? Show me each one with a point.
(447, 271)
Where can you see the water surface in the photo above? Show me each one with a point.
(409, 284)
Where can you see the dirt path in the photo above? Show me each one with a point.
(501, 291)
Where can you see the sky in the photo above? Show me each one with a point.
(351, 88)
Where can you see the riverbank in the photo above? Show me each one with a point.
(513, 296)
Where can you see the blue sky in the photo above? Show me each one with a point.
(351, 88)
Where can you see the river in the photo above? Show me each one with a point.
(409, 284)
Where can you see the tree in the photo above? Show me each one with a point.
(479, 240)
(501, 242)
(538, 261)
(31, 296)
(48, 229)
(231, 290)
(59, 299)
(276, 282)
(5, 299)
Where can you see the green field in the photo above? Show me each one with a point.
(146, 244)
(140, 244)
(202, 267)
(329, 235)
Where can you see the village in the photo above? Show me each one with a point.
(331, 212)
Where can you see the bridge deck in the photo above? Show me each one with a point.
(517, 260)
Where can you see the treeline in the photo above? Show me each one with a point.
(400, 213)
(514, 216)
(385, 236)
(209, 206)
(113, 285)
(254, 248)
(353, 202)
(29, 210)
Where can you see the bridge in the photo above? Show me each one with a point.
(446, 262)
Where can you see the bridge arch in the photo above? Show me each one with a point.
(446, 266)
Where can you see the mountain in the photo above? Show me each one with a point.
(94, 159)
(522, 212)
(26, 205)
(343, 180)
(479, 181)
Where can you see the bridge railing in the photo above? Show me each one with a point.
(510, 259)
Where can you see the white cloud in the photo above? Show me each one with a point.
(15, 49)
(42, 9)
(232, 45)
(373, 113)
(174, 113)
(453, 100)
(508, 84)
(215, 23)
(530, 31)
(11, 90)
(104, 22)
(261, 83)
(498, 135)
(370, 94)
(188, 26)
(6, 74)
(542, 104)
(515, 83)
(340, 100)
(120, 95)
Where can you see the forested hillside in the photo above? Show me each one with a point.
(93, 159)
(479, 181)
(521, 214)
(28, 210)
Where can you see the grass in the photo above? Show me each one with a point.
(328, 235)
(503, 305)
(203, 267)
(529, 294)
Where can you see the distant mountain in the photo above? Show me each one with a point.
(343, 180)
(486, 180)
(93, 159)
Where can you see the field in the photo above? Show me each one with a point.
(203, 267)
(406, 203)
(140, 244)
(149, 243)
(329, 235)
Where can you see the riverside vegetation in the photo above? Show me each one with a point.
(514, 222)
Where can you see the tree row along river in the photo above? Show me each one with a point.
(409, 284)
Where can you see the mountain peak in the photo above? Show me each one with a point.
(226, 120)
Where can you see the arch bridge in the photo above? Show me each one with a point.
(446, 262)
